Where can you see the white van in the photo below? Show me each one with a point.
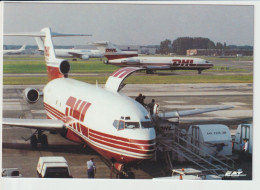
(53, 167)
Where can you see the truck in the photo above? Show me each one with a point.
(11, 172)
(53, 167)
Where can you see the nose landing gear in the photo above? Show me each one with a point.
(124, 171)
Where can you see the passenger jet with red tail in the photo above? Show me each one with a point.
(113, 124)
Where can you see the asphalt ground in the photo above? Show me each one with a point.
(16, 152)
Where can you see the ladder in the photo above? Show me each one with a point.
(208, 163)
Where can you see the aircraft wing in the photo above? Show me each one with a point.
(177, 114)
(78, 55)
(42, 124)
(42, 34)
(114, 82)
(149, 67)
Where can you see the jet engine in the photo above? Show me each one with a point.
(31, 95)
(64, 67)
(85, 57)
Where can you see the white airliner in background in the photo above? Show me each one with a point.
(119, 58)
(113, 124)
(83, 54)
(14, 51)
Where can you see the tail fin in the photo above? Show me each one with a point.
(23, 47)
(49, 51)
(111, 51)
(56, 68)
(39, 42)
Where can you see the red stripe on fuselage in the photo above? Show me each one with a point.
(124, 144)
(131, 145)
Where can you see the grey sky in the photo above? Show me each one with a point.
(131, 24)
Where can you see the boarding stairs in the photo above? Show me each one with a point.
(208, 164)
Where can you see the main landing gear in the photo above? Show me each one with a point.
(149, 72)
(38, 137)
(199, 72)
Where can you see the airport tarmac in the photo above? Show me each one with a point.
(16, 152)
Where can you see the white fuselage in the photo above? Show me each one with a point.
(82, 52)
(92, 115)
(12, 52)
(172, 62)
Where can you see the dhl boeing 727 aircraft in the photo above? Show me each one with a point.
(113, 124)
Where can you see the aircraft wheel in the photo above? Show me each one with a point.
(199, 72)
(149, 72)
(131, 175)
(44, 141)
(120, 175)
(33, 142)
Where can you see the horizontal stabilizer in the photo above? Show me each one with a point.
(42, 124)
(114, 82)
(177, 114)
(42, 34)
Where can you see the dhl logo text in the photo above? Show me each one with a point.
(179, 61)
(76, 108)
(110, 50)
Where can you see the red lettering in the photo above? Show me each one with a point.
(185, 61)
(182, 61)
(76, 109)
(176, 61)
(71, 102)
(82, 116)
(46, 50)
(110, 50)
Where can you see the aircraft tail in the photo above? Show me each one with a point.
(56, 68)
(23, 47)
(111, 51)
(39, 41)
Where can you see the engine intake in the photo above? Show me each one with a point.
(64, 67)
(31, 95)
(84, 57)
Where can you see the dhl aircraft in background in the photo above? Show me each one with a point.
(14, 51)
(119, 58)
(83, 54)
(113, 124)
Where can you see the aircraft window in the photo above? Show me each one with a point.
(115, 124)
(206, 62)
(131, 125)
(147, 124)
(127, 118)
(121, 125)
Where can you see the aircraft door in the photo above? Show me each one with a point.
(195, 139)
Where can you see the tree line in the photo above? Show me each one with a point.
(181, 44)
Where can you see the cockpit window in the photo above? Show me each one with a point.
(115, 124)
(121, 125)
(206, 62)
(147, 124)
(132, 125)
